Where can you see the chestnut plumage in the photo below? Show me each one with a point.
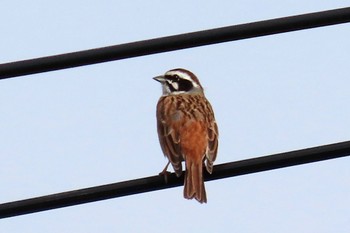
(187, 129)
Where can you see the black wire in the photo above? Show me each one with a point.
(164, 44)
(170, 43)
(153, 183)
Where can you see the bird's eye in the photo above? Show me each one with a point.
(177, 78)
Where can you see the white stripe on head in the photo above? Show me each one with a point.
(182, 75)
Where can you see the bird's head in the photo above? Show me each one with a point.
(179, 81)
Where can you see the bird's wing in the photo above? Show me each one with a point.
(170, 142)
(213, 135)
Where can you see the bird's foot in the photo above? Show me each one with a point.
(165, 173)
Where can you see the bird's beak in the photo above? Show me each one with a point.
(160, 79)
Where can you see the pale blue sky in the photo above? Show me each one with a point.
(94, 125)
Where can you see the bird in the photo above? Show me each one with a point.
(187, 129)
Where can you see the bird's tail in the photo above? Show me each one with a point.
(194, 183)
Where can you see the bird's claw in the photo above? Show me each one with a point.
(165, 174)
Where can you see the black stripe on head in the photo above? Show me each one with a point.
(189, 73)
(176, 83)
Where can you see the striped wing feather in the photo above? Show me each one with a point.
(170, 142)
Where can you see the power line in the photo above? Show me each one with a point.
(170, 43)
(153, 183)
